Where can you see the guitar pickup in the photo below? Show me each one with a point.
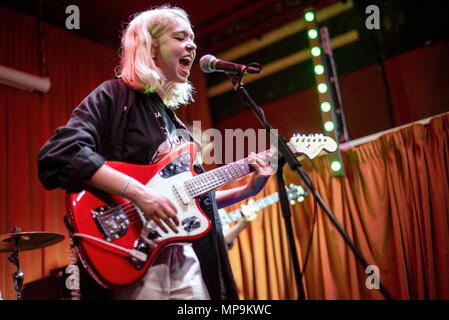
(191, 223)
(181, 194)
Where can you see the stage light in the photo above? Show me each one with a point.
(322, 88)
(312, 33)
(329, 126)
(336, 165)
(309, 16)
(319, 69)
(323, 72)
(325, 106)
(315, 51)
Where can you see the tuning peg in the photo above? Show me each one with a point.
(300, 199)
(292, 202)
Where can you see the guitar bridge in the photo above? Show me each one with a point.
(112, 223)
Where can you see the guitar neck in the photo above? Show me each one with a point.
(309, 145)
(267, 201)
(215, 178)
(259, 205)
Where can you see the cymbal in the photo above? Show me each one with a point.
(28, 240)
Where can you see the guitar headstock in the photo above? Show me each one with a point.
(295, 192)
(311, 145)
(249, 210)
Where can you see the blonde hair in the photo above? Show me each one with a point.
(138, 68)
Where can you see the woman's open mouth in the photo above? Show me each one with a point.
(186, 63)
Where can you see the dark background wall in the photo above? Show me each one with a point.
(388, 77)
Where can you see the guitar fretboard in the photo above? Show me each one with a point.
(215, 178)
(258, 205)
(267, 201)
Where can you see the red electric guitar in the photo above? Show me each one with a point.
(115, 242)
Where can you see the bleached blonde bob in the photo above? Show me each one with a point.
(137, 67)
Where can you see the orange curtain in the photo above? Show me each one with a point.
(393, 202)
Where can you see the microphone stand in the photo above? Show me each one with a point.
(287, 156)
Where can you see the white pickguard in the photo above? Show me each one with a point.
(165, 187)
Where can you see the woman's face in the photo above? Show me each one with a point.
(176, 51)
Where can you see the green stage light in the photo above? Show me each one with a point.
(319, 69)
(309, 16)
(325, 106)
(312, 33)
(329, 126)
(336, 165)
(316, 51)
(322, 88)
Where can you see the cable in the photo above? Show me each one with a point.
(132, 252)
(309, 242)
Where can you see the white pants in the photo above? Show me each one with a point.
(175, 274)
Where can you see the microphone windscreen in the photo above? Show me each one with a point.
(206, 63)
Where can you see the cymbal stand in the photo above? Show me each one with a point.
(14, 259)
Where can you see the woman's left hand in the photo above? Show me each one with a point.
(263, 171)
(260, 177)
(261, 164)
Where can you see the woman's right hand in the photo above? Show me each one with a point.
(155, 207)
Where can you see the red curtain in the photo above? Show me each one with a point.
(76, 66)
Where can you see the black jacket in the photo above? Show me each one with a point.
(115, 122)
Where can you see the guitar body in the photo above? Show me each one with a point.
(115, 242)
(107, 227)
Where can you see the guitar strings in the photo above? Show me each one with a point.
(127, 207)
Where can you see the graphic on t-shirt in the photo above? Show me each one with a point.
(172, 139)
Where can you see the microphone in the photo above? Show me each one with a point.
(209, 63)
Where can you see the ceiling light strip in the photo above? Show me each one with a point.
(283, 63)
(283, 32)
